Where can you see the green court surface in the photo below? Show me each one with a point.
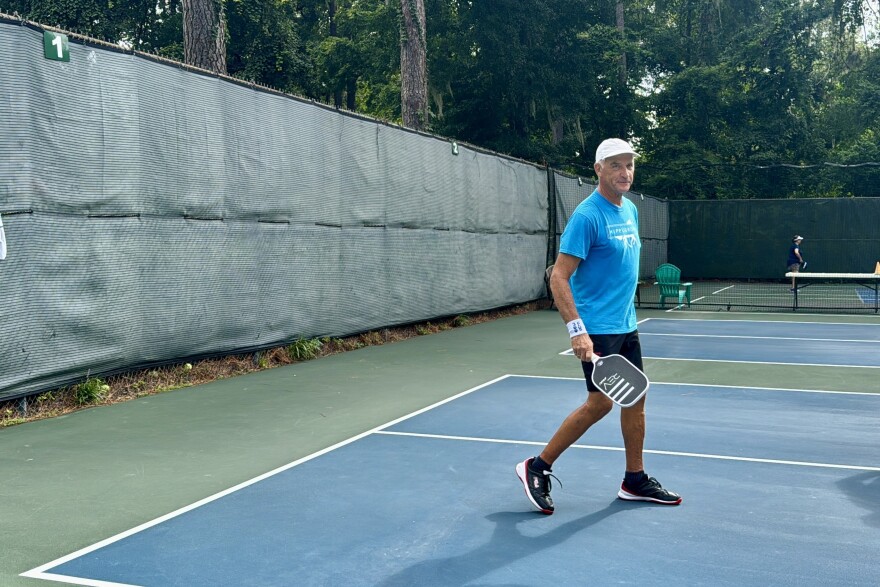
(72, 481)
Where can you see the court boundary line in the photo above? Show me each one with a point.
(39, 572)
(570, 353)
(779, 313)
(648, 451)
(877, 342)
(766, 321)
(786, 389)
(766, 363)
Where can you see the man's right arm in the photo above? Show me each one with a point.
(563, 269)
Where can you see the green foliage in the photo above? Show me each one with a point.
(90, 391)
(460, 321)
(264, 44)
(738, 109)
(717, 95)
(304, 349)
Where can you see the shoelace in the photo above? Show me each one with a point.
(546, 475)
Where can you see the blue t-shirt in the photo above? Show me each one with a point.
(606, 239)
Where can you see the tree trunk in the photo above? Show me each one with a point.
(620, 27)
(331, 13)
(413, 65)
(204, 34)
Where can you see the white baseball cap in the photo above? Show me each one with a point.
(612, 147)
(797, 237)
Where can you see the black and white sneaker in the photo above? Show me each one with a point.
(537, 486)
(648, 490)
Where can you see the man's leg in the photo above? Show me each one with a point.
(637, 486)
(632, 425)
(535, 472)
(576, 425)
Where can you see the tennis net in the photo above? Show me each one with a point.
(817, 292)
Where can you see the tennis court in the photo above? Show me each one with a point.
(856, 294)
(394, 465)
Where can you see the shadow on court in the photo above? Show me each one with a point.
(507, 545)
(864, 491)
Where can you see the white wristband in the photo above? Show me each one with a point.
(576, 328)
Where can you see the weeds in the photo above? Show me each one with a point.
(90, 391)
(460, 321)
(304, 350)
(135, 384)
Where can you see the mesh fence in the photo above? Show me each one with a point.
(569, 191)
(154, 213)
(819, 293)
(735, 252)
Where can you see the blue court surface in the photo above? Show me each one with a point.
(867, 295)
(780, 487)
(790, 343)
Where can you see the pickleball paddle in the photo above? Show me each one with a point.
(620, 380)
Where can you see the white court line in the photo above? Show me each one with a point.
(654, 452)
(677, 383)
(570, 352)
(76, 580)
(774, 322)
(871, 316)
(766, 363)
(40, 571)
(756, 337)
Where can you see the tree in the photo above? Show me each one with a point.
(738, 95)
(265, 45)
(413, 65)
(204, 34)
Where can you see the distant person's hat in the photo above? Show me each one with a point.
(612, 147)
(797, 237)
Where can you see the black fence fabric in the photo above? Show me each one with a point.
(749, 239)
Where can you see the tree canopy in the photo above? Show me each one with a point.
(724, 98)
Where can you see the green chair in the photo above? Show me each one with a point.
(669, 281)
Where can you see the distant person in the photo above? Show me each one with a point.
(594, 282)
(795, 259)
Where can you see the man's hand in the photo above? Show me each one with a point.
(582, 345)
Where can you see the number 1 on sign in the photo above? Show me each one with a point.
(58, 43)
(55, 46)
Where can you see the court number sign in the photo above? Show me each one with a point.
(55, 46)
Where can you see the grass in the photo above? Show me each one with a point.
(96, 391)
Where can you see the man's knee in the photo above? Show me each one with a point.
(599, 404)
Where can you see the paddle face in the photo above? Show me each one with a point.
(620, 380)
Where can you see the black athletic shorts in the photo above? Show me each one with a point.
(614, 344)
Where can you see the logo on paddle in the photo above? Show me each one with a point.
(609, 381)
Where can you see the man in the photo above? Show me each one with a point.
(593, 283)
(795, 259)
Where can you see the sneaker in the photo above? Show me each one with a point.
(537, 486)
(649, 490)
